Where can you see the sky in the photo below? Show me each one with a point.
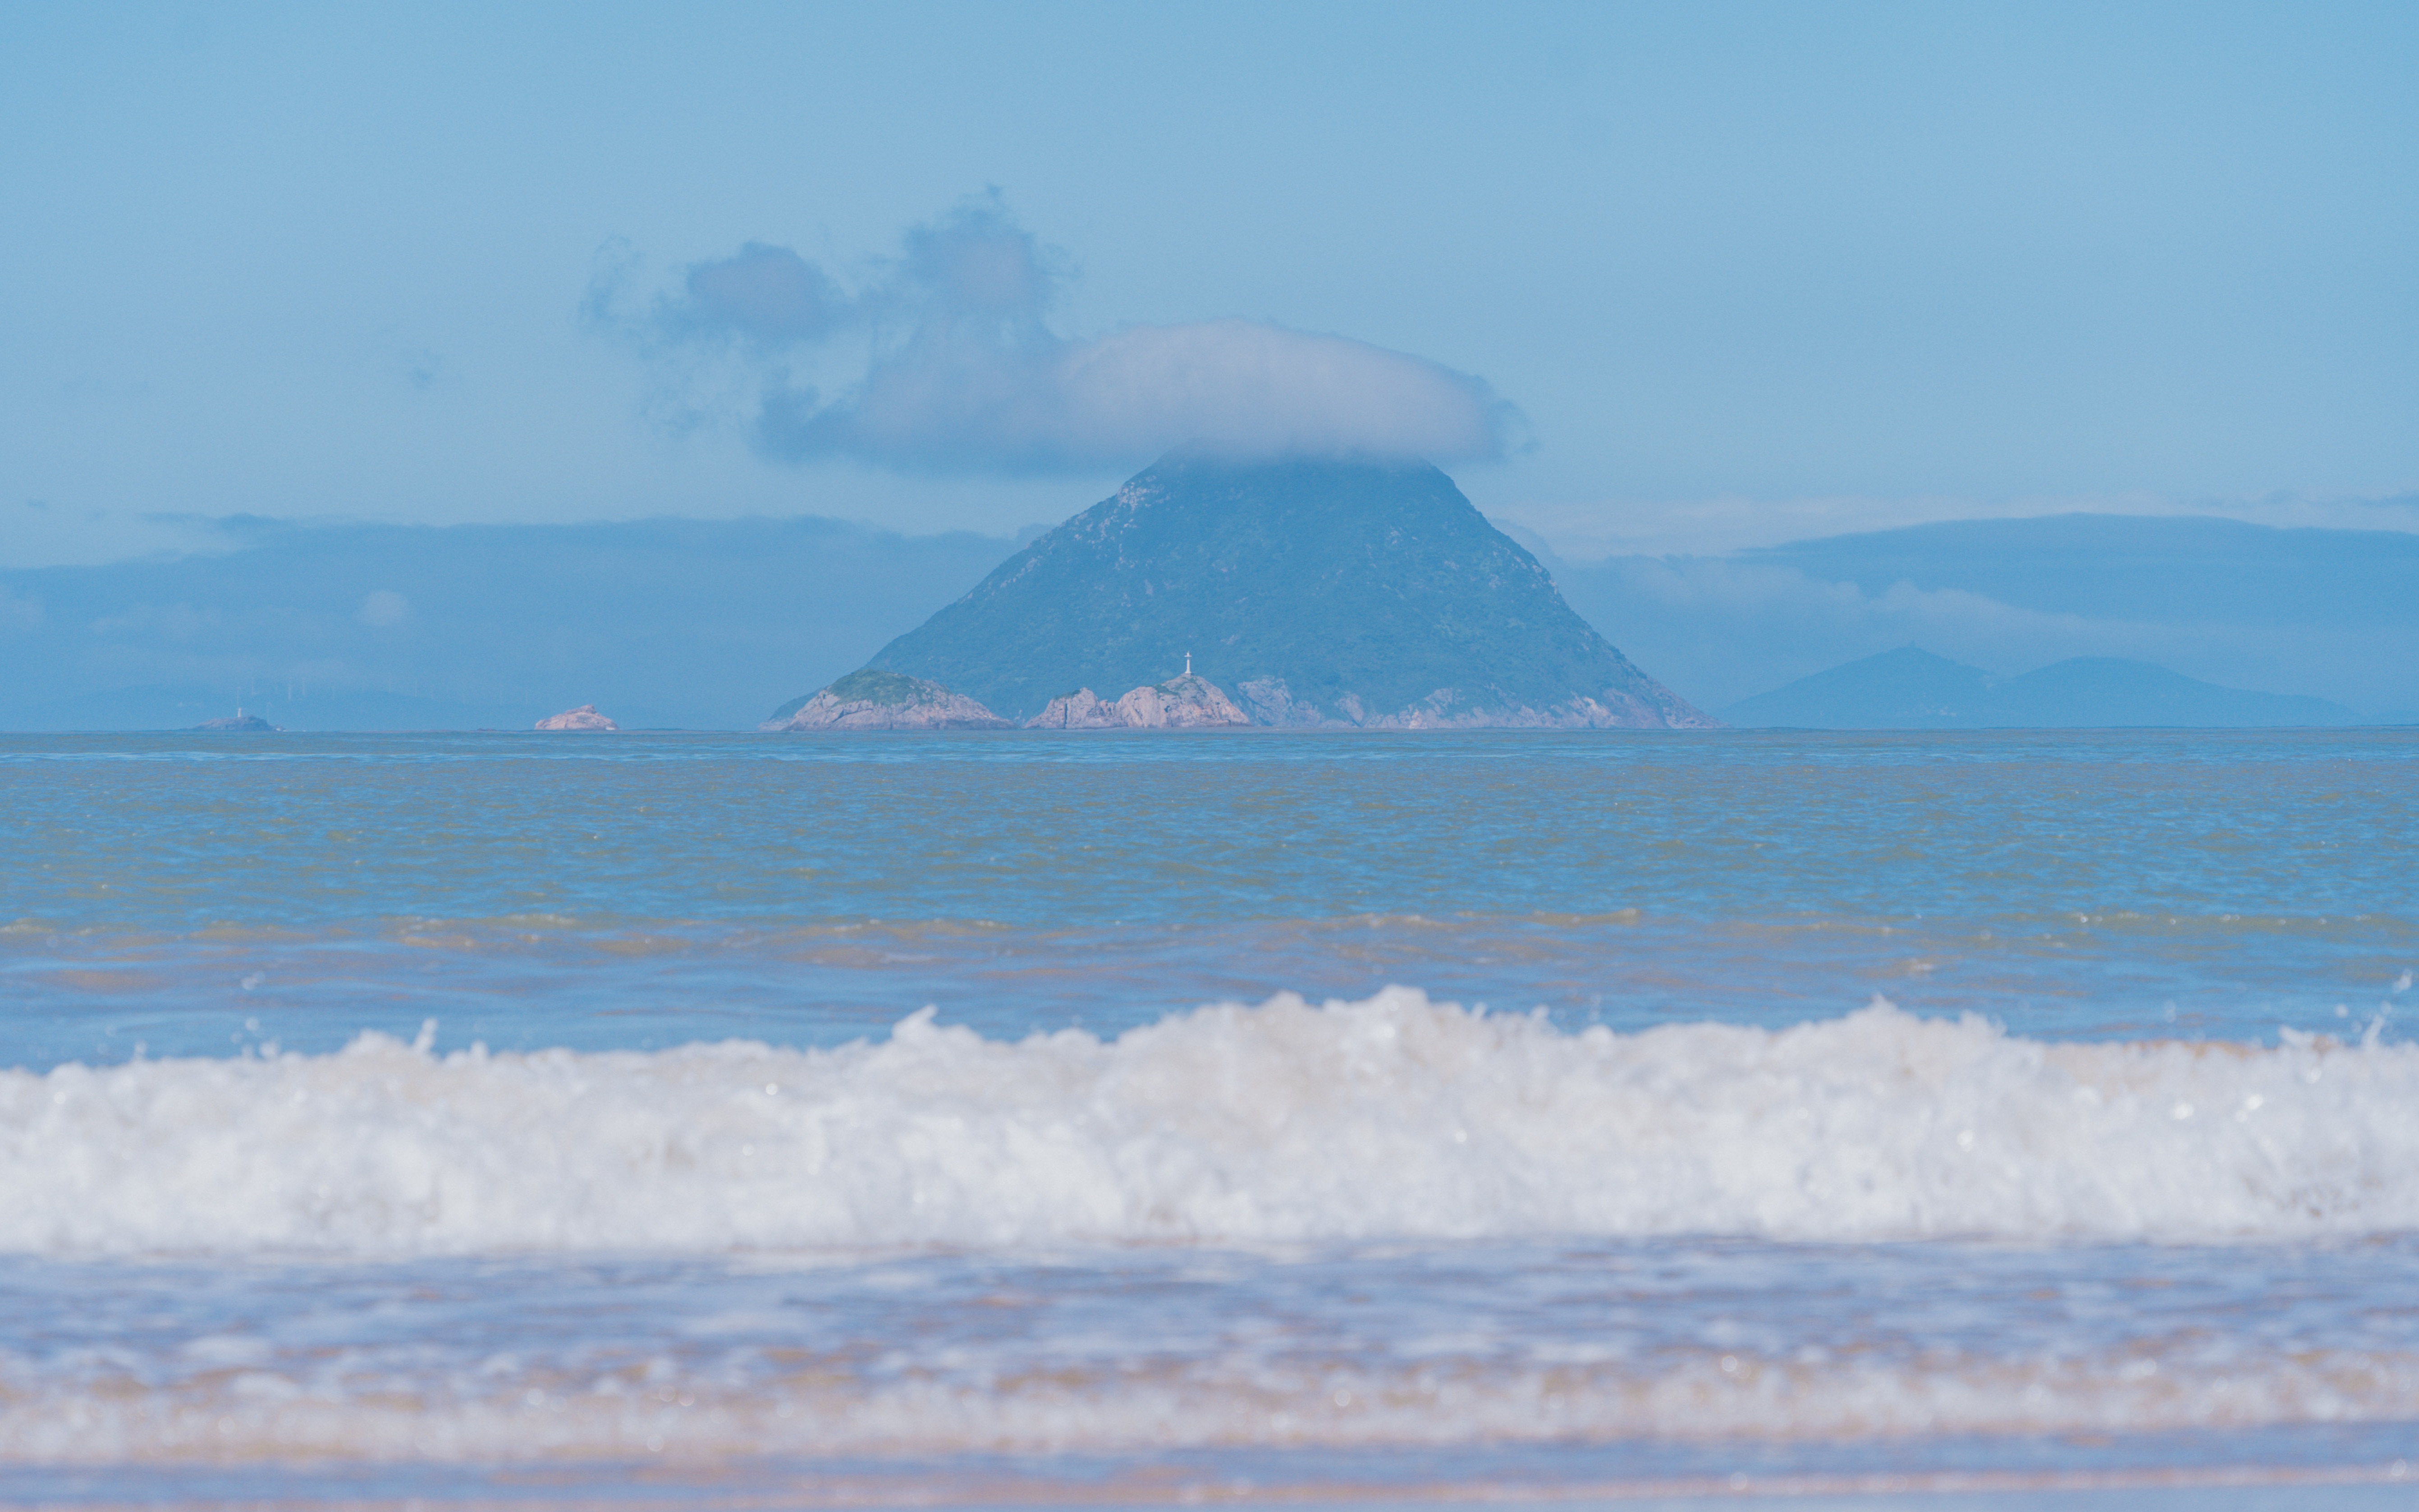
(1646, 278)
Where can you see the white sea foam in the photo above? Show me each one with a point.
(1391, 1117)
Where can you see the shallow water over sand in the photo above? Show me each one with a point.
(1632, 1186)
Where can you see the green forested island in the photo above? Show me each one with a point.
(1300, 592)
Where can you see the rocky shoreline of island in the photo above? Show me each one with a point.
(872, 700)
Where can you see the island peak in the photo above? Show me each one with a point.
(1326, 592)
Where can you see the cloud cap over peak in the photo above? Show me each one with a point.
(956, 368)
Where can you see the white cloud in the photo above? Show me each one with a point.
(958, 369)
(384, 608)
(1246, 385)
(762, 294)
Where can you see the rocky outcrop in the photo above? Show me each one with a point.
(1083, 709)
(883, 701)
(1268, 700)
(1190, 701)
(583, 717)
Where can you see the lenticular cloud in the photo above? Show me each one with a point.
(960, 372)
(1256, 387)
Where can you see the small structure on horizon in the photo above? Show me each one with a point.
(242, 722)
(583, 717)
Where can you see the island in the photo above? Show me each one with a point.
(584, 717)
(242, 723)
(1310, 592)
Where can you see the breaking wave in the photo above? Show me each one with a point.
(1392, 1117)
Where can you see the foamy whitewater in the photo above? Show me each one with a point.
(1389, 1118)
(990, 1119)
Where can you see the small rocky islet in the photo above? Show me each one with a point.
(868, 700)
(1326, 592)
(239, 723)
(583, 720)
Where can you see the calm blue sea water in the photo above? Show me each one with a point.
(768, 1120)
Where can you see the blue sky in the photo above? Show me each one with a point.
(1662, 277)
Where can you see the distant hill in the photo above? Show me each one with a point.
(2107, 690)
(1902, 689)
(2132, 567)
(701, 623)
(710, 624)
(2326, 612)
(297, 706)
(1913, 689)
(1312, 591)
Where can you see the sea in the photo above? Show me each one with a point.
(1705, 1119)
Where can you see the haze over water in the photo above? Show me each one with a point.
(1603, 1166)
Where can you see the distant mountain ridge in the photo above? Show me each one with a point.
(2326, 612)
(2132, 567)
(1914, 689)
(1315, 592)
(347, 626)
(709, 624)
